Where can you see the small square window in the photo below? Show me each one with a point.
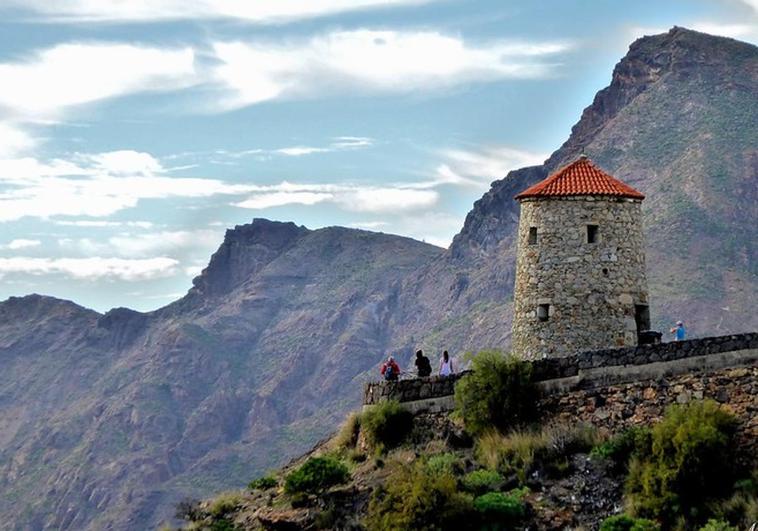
(532, 235)
(592, 233)
(543, 312)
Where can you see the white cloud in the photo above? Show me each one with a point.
(482, 166)
(370, 60)
(89, 223)
(351, 197)
(256, 11)
(368, 225)
(13, 140)
(95, 186)
(298, 151)
(21, 243)
(274, 199)
(164, 242)
(74, 74)
(93, 268)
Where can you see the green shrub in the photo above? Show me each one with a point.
(347, 436)
(622, 446)
(263, 483)
(413, 497)
(500, 510)
(522, 451)
(316, 475)
(718, 525)
(499, 393)
(480, 481)
(742, 507)
(442, 463)
(623, 522)
(225, 503)
(386, 424)
(688, 465)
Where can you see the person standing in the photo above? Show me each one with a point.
(679, 331)
(423, 366)
(446, 365)
(390, 369)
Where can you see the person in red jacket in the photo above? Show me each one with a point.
(390, 369)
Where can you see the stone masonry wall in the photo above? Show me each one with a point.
(591, 288)
(615, 407)
(566, 367)
(547, 369)
(411, 390)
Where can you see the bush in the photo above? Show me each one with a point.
(442, 463)
(499, 393)
(413, 497)
(386, 425)
(623, 522)
(688, 464)
(522, 451)
(621, 447)
(224, 504)
(480, 481)
(263, 483)
(718, 525)
(500, 510)
(742, 507)
(316, 475)
(347, 437)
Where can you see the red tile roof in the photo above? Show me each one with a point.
(581, 177)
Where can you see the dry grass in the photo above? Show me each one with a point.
(520, 451)
(347, 436)
(225, 503)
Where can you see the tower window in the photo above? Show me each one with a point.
(532, 235)
(543, 312)
(592, 233)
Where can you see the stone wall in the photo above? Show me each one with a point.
(615, 407)
(591, 289)
(547, 369)
(411, 390)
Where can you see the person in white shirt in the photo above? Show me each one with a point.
(446, 365)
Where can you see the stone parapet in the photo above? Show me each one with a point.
(411, 390)
(552, 368)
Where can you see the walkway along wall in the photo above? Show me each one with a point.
(615, 388)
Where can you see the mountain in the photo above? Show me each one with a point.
(678, 122)
(106, 421)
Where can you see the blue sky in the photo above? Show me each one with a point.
(132, 134)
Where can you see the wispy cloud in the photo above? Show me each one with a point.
(371, 61)
(255, 11)
(94, 185)
(93, 268)
(14, 140)
(20, 243)
(483, 165)
(146, 244)
(52, 80)
(351, 197)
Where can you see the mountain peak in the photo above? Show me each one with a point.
(246, 249)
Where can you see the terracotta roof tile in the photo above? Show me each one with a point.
(581, 177)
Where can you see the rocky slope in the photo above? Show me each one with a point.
(107, 420)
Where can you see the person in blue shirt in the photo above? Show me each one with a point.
(679, 331)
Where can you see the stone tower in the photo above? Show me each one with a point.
(580, 269)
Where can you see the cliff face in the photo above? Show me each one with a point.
(107, 420)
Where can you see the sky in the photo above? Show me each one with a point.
(133, 134)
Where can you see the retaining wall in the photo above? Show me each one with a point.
(615, 387)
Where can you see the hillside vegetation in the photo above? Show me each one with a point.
(475, 470)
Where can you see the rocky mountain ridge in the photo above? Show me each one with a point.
(107, 420)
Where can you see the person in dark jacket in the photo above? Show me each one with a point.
(423, 366)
